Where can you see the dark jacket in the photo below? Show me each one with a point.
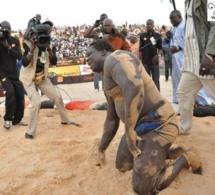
(8, 58)
(148, 48)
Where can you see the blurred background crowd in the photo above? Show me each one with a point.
(71, 45)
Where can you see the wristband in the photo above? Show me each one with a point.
(9, 48)
(30, 53)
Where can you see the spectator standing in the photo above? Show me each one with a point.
(167, 56)
(10, 53)
(116, 39)
(95, 32)
(176, 36)
(198, 62)
(150, 47)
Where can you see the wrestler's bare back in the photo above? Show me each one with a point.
(149, 95)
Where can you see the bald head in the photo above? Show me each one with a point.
(108, 20)
(108, 25)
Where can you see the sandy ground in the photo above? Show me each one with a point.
(61, 159)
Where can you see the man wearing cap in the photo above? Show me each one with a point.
(33, 74)
(10, 52)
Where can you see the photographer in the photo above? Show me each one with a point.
(38, 54)
(10, 52)
(96, 32)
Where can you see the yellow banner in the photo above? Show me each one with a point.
(66, 71)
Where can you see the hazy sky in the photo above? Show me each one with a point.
(77, 12)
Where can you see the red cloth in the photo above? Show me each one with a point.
(79, 105)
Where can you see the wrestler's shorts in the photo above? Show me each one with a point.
(148, 126)
(163, 121)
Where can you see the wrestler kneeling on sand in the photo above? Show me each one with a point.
(150, 122)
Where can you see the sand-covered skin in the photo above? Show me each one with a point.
(61, 159)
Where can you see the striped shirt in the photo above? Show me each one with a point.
(191, 60)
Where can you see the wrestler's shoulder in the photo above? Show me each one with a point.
(120, 54)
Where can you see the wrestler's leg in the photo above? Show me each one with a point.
(124, 158)
(149, 173)
(169, 173)
(190, 158)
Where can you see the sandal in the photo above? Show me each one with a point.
(21, 123)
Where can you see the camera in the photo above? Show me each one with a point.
(4, 32)
(100, 35)
(41, 31)
(98, 23)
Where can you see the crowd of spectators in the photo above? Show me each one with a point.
(71, 44)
